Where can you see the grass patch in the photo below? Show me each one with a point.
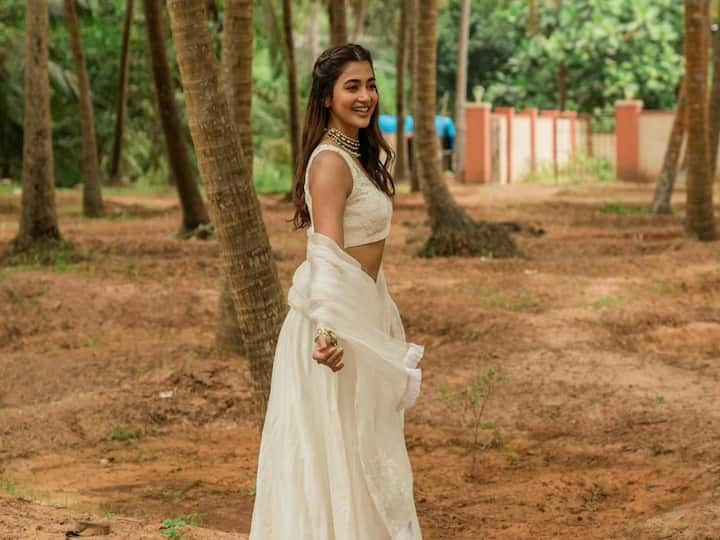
(58, 253)
(605, 302)
(120, 434)
(580, 170)
(516, 301)
(624, 209)
(171, 527)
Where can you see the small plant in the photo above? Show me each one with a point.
(474, 398)
(120, 434)
(659, 398)
(662, 287)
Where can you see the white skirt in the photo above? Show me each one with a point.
(322, 474)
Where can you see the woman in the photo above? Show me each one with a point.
(333, 463)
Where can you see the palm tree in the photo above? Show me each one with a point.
(699, 191)
(121, 105)
(92, 193)
(714, 104)
(293, 93)
(452, 230)
(666, 178)
(412, 6)
(461, 89)
(195, 217)
(38, 217)
(358, 8)
(244, 244)
(236, 67)
(337, 13)
(400, 170)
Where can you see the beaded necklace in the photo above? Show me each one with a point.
(352, 146)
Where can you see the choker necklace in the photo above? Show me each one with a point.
(350, 145)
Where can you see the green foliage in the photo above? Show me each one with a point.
(171, 527)
(607, 47)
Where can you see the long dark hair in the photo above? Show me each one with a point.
(326, 71)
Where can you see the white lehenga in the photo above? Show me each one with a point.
(333, 464)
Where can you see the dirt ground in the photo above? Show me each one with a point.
(116, 407)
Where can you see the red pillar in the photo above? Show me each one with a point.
(478, 158)
(627, 138)
(508, 113)
(553, 114)
(531, 113)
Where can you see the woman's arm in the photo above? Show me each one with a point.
(330, 184)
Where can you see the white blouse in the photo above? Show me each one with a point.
(368, 210)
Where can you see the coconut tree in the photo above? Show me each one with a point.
(194, 214)
(358, 8)
(452, 230)
(668, 172)
(92, 194)
(236, 68)
(337, 13)
(461, 89)
(244, 245)
(714, 103)
(121, 105)
(400, 169)
(412, 7)
(699, 190)
(38, 216)
(293, 92)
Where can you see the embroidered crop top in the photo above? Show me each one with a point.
(368, 210)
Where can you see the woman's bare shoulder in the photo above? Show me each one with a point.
(329, 171)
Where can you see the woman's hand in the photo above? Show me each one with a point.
(327, 354)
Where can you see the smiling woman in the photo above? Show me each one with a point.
(333, 463)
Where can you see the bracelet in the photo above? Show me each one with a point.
(327, 333)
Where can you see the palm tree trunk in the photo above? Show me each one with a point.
(359, 19)
(699, 191)
(400, 170)
(714, 106)
(461, 90)
(666, 179)
(38, 216)
(293, 92)
(244, 244)
(412, 154)
(121, 106)
(533, 20)
(313, 33)
(452, 230)
(236, 66)
(92, 193)
(338, 22)
(193, 209)
(700, 220)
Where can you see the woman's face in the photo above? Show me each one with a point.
(354, 98)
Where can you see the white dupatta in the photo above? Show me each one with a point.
(331, 289)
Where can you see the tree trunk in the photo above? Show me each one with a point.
(359, 19)
(194, 212)
(121, 106)
(533, 20)
(244, 245)
(412, 152)
(400, 170)
(38, 216)
(714, 106)
(236, 65)
(452, 230)
(338, 22)
(562, 76)
(313, 33)
(92, 194)
(213, 15)
(666, 179)
(699, 190)
(293, 92)
(461, 90)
